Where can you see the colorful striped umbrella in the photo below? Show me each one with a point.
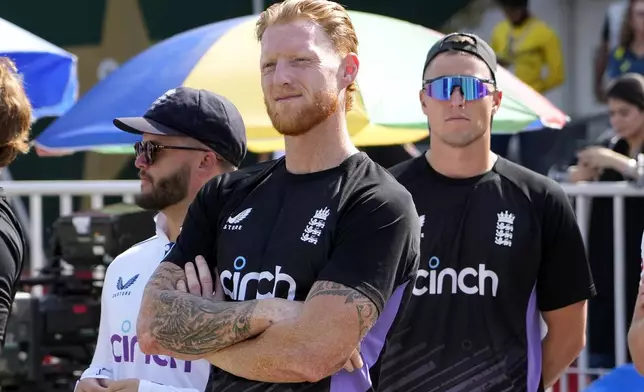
(224, 57)
(48, 72)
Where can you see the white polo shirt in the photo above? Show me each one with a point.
(117, 354)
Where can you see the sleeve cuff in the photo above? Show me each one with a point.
(145, 386)
(97, 372)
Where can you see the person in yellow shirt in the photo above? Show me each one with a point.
(528, 47)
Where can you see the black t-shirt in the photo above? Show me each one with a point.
(272, 233)
(12, 249)
(496, 250)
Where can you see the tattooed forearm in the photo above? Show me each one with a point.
(367, 311)
(187, 324)
(193, 325)
(165, 277)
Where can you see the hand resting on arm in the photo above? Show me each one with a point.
(201, 284)
(189, 327)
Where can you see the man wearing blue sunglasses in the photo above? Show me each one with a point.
(500, 247)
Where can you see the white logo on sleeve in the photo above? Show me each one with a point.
(504, 228)
(233, 221)
(313, 229)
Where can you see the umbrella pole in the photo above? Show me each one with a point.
(258, 6)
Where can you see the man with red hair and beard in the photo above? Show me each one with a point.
(314, 251)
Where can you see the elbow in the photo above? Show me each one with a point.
(310, 362)
(145, 334)
(320, 364)
(636, 347)
(577, 342)
(569, 343)
(580, 343)
(638, 364)
(315, 372)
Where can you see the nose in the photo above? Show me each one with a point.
(457, 98)
(140, 163)
(282, 74)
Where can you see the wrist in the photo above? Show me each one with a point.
(628, 168)
(273, 310)
(263, 315)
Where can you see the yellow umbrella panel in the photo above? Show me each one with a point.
(231, 68)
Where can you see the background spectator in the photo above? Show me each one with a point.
(530, 48)
(613, 22)
(610, 160)
(628, 56)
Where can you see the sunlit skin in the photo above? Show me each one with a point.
(301, 76)
(460, 129)
(304, 80)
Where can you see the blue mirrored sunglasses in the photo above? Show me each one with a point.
(472, 88)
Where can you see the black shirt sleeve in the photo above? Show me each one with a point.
(11, 260)
(564, 274)
(377, 244)
(199, 230)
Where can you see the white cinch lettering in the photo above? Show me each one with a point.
(435, 282)
(240, 281)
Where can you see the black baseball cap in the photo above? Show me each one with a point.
(196, 113)
(462, 42)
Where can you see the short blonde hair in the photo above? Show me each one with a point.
(15, 114)
(329, 15)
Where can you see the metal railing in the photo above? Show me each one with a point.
(581, 193)
(65, 191)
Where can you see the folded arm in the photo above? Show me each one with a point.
(308, 348)
(189, 327)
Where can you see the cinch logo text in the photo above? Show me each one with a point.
(126, 349)
(468, 281)
(240, 281)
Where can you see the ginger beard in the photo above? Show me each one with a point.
(293, 119)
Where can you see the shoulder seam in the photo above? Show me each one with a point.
(142, 242)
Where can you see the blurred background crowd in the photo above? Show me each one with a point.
(586, 57)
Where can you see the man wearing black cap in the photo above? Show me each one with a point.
(189, 136)
(324, 236)
(499, 245)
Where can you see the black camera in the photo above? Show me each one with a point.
(51, 339)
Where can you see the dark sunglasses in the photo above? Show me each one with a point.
(149, 150)
(472, 88)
